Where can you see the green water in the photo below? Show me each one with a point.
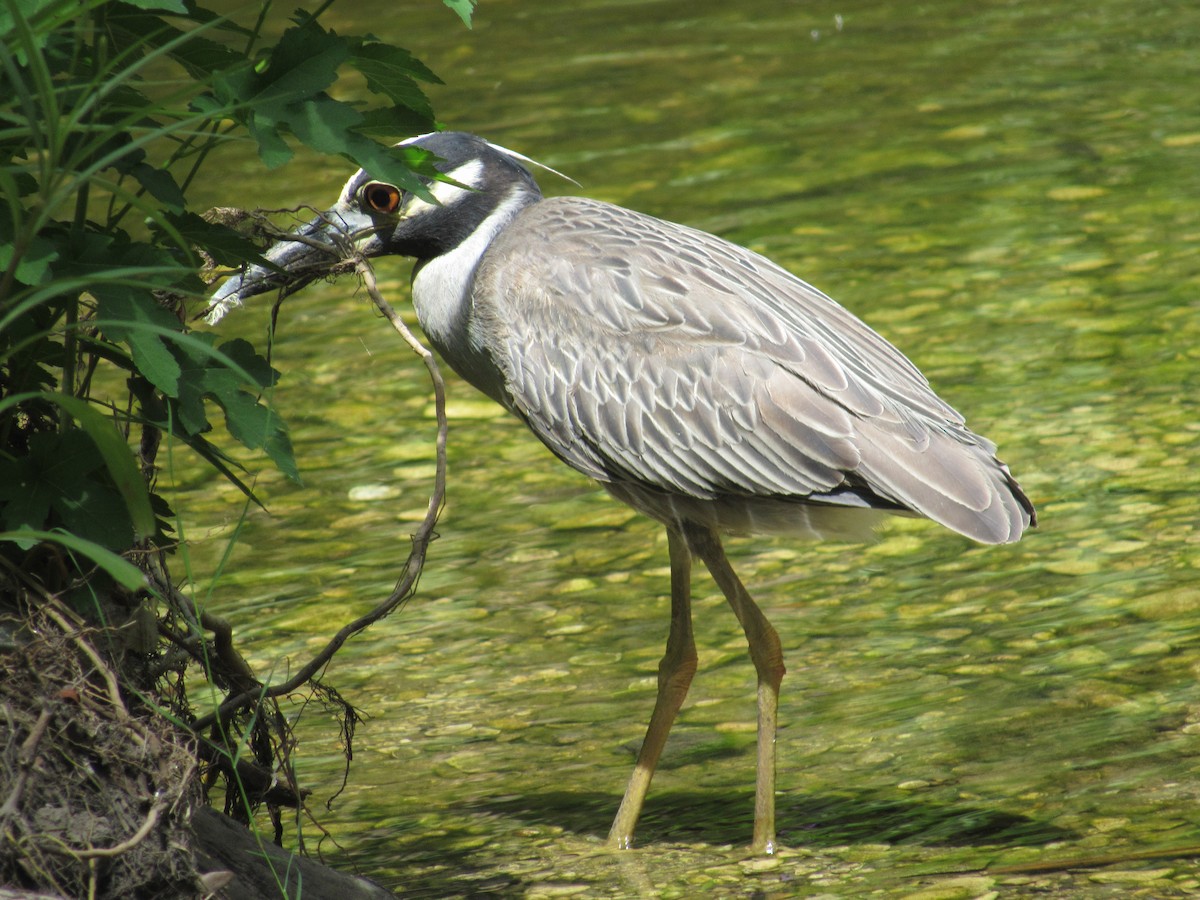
(1008, 192)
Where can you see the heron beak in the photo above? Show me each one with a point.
(291, 264)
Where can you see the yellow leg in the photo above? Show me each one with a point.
(674, 677)
(767, 654)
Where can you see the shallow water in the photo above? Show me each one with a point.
(1008, 193)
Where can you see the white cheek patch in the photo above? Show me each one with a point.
(415, 138)
(350, 189)
(468, 174)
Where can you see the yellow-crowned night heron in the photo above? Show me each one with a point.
(695, 380)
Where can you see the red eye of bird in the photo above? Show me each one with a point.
(382, 198)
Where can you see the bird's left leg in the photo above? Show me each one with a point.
(675, 674)
(767, 654)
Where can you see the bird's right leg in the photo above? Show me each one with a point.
(675, 674)
(767, 654)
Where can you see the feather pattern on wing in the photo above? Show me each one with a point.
(662, 360)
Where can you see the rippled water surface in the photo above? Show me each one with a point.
(1008, 192)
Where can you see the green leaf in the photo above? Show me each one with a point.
(259, 428)
(194, 376)
(392, 71)
(159, 184)
(122, 275)
(226, 246)
(329, 126)
(118, 458)
(34, 265)
(303, 64)
(389, 121)
(324, 124)
(97, 513)
(199, 55)
(27, 497)
(133, 309)
(243, 355)
(54, 484)
(122, 571)
(160, 412)
(172, 6)
(272, 149)
(464, 9)
(221, 377)
(395, 59)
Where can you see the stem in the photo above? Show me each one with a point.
(420, 540)
(70, 339)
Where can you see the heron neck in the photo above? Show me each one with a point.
(442, 290)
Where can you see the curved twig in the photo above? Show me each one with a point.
(421, 539)
(126, 845)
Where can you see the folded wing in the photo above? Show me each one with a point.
(648, 353)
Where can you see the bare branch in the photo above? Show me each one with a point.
(421, 539)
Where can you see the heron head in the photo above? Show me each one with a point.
(376, 218)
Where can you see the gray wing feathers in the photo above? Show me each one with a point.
(643, 351)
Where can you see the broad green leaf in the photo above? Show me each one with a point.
(259, 428)
(194, 385)
(159, 184)
(303, 64)
(199, 55)
(243, 355)
(394, 58)
(122, 275)
(389, 121)
(226, 246)
(204, 376)
(164, 416)
(97, 513)
(464, 9)
(324, 124)
(118, 458)
(401, 91)
(134, 309)
(123, 572)
(327, 125)
(392, 71)
(211, 106)
(26, 497)
(272, 149)
(34, 265)
(56, 484)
